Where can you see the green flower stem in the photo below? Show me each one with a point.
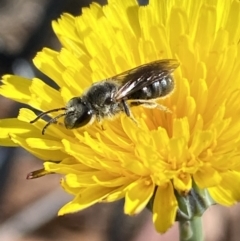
(191, 230)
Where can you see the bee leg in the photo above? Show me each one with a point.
(102, 127)
(128, 111)
(149, 104)
(126, 108)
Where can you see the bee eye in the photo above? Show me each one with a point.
(79, 115)
(83, 117)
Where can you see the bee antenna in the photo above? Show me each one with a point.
(46, 112)
(53, 120)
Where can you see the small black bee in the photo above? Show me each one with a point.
(104, 99)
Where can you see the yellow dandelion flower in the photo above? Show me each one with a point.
(194, 146)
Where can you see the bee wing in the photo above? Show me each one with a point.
(142, 76)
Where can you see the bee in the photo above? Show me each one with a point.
(107, 98)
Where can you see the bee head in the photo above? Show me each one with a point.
(78, 113)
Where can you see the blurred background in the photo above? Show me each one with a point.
(28, 208)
